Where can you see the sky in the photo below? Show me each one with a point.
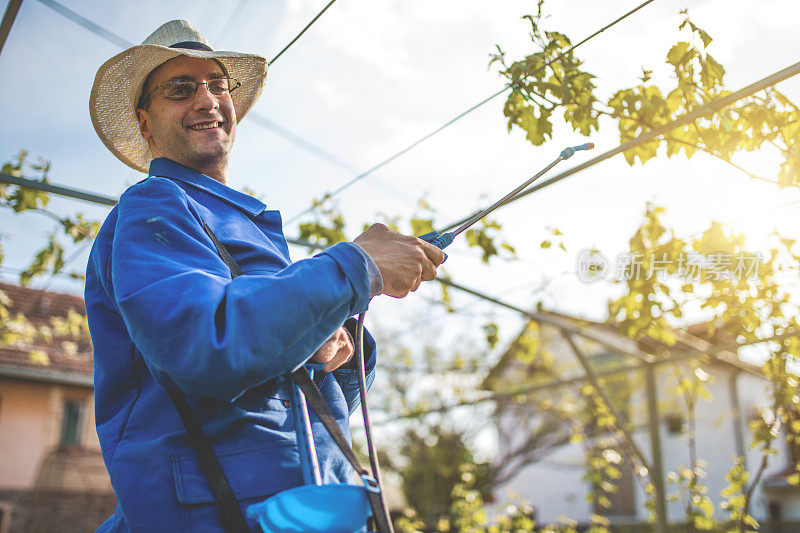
(372, 76)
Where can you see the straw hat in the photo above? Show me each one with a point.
(119, 82)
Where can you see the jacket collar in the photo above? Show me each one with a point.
(167, 168)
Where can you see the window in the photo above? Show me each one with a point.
(675, 423)
(774, 509)
(71, 423)
(623, 500)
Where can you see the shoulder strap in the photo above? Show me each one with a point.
(232, 518)
(372, 483)
(316, 401)
(320, 407)
(223, 252)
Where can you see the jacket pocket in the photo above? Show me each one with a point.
(251, 473)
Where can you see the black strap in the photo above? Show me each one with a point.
(314, 397)
(320, 407)
(223, 253)
(232, 517)
(317, 402)
(214, 474)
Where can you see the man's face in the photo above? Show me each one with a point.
(178, 129)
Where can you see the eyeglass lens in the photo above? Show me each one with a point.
(180, 89)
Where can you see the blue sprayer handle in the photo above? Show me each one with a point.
(440, 241)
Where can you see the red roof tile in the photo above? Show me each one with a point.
(40, 307)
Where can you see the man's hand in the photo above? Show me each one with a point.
(335, 352)
(404, 262)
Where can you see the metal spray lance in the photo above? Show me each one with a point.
(445, 239)
(384, 524)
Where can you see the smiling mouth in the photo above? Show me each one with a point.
(206, 126)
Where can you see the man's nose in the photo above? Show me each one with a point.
(203, 99)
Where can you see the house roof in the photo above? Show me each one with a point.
(779, 481)
(60, 357)
(699, 337)
(40, 306)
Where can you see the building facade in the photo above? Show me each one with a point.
(555, 483)
(52, 475)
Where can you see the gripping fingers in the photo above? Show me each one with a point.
(416, 284)
(436, 256)
(428, 270)
(341, 349)
(340, 358)
(430, 258)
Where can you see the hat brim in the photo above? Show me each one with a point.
(119, 81)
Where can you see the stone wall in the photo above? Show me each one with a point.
(55, 511)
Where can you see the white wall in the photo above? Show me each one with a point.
(555, 488)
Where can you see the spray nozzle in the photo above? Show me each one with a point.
(569, 152)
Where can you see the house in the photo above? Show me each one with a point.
(540, 461)
(52, 475)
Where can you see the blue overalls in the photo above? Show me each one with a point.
(164, 312)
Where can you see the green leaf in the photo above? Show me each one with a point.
(711, 72)
(490, 330)
(421, 226)
(678, 53)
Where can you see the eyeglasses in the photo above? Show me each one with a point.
(181, 89)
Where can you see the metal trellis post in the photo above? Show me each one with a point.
(657, 466)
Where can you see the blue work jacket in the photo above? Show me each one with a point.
(164, 312)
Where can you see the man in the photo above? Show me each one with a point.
(165, 313)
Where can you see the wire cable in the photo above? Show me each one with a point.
(80, 20)
(233, 17)
(299, 141)
(520, 393)
(461, 115)
(76, 253)
(302, 32)
(257, 118)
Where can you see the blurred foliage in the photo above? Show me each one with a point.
(467, 512)
(736, 497)
(50, 260)
(433, 459)
(745, 304)
(484, 238)
(602, 471)
(328, 225)
(538, 92)
(556, 238)
(698, 506)
(491, 330)
(20, 198)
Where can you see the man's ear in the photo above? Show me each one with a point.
(144, 124)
